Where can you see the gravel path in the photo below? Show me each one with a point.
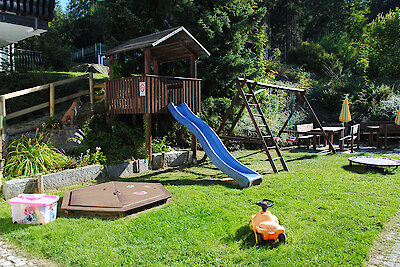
(386, 251)
(9, 257)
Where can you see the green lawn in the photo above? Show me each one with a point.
(331, 212)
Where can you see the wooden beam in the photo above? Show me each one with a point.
(52, 96)
(147, 61)
(173, 78)
(99, 85)
(193, 73)
(91, 92)
(42, 87)
(242, 139)
(236, 120)
(40, 184)
(44, 105)
(26, 91)
(273, 86)
(319, 123)
(155, 66)
(149, 147)
(110, 74)
(193, 66)
(226, 116)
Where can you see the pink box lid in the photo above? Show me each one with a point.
(38, 199)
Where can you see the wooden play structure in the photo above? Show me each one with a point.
(246, 98)
(150, 93)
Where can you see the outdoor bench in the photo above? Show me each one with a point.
(388, 132)
(369, 129)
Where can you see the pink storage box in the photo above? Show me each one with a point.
(34, 208)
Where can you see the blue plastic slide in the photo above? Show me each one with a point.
(214, 147)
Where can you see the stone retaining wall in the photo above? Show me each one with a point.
(82, 175)
(52, 181)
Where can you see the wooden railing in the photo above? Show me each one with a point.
(123, 95)
(51, 104)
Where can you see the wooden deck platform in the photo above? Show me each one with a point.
(126, 96)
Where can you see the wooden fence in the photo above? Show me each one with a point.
(51, 103)
(123, 96)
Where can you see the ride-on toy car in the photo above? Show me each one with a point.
(265, 225)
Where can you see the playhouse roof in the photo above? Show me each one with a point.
(169, 45)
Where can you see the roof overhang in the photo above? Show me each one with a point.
(14, 28)
(169, 45)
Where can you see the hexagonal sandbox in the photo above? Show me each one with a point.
(114, 199)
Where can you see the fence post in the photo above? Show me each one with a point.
(40, 186)
(91, 91)
(52, 93)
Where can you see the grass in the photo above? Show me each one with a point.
(332, 214)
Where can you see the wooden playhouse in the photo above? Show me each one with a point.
(150, 93)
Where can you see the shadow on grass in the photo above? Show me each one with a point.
(149, 177)
(178, 181)
(251, 154)
(302, 158)
(247, 238)
(7, 226)
(368, 169)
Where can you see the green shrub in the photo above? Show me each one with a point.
(214, 109)
(177, 135)
(388, 108)
(28, 156)
(119, 142)
(50, 123)
(383, 38)
(368, 101)
(313, 58)
(160, 145)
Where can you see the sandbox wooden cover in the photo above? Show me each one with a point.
(114, 197)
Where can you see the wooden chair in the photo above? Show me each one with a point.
(352, 138)
(387, 132)
(302, 135)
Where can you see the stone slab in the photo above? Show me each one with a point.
(127, 169)
(72, 177)
(14, 187)
(172, 159)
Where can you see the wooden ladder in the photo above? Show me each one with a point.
(253, 107)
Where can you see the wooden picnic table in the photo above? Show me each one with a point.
(330, 131)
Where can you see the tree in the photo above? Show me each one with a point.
(383, 39)
(222, 27)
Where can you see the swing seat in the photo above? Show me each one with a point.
(277, 138)
(291, 139)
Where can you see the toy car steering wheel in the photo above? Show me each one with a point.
(265, 204)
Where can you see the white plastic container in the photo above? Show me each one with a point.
(33, 208)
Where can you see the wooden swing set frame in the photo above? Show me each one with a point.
(251, 104)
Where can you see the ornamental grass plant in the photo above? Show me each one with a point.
(28, 156)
